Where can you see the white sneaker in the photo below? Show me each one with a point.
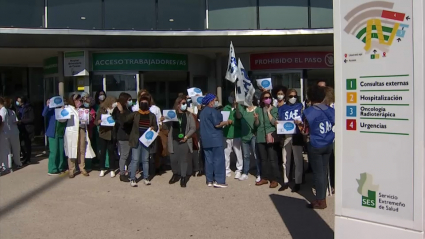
(102, 173)
(258, 179)
(218, 185)
(210, 184)
(52, 174)
(229, 175)
(238, 175)
(133, 183)
(243, 177)
(146, 182)
(112, 174)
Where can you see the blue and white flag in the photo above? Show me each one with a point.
(244, 89)
(232, 67)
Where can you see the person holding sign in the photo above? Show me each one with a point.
(76, 139)
(141, 121)
(265, 120)
(292, 143)
(212, 142)
(180, 144)
(55, 132)
(279, 92)
(105, 139)
(232, 133)
(318, 121)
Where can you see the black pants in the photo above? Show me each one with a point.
(269, 165)
(199, 160)
(103, 146)
(26, 146)
(332, 169)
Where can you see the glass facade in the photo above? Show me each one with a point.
(167, 14)
(22, 13)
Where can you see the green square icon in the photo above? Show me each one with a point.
(372, 56)
(351, 84)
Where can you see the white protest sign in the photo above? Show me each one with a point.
(61, 114)
(148, 137)
(265, 83)
(286, 127)
(232, 67)
(56, 101)
(169, 115)
(197, 100)
(226, 115)
(244, 89)
(107, 120)
(83, 116)
(191, 92)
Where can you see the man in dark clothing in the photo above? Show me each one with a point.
(26, 127)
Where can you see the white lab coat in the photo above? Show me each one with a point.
(71, 136)
(9, 138)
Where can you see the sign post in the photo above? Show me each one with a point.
(379, 81)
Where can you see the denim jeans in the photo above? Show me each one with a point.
(215, 167)
(246, 149)
(141, 153)
(319, 160)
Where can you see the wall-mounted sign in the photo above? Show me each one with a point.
(292, 60)
(50, 65)
(139, 61)
(74, 64)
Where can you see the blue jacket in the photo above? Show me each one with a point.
(321, 119)
(49, 114)
(210, 135)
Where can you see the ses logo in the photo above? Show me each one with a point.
(367, 189)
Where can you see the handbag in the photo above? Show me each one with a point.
(272, 137)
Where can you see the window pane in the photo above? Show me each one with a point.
(22, 13)
(181, 15)
(283, 14)
(96, 82)
(130, 14)
(77, 14)
(120, 82)
(235, 14)
(321, 13)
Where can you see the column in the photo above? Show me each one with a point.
(218, 77)
(61, 78)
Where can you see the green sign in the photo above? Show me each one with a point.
(50, 65)
(139, 61)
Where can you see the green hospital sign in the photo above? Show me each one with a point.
(50, 65)
(139, 61)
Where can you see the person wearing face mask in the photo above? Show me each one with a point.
(279, 92)
(76, 139)
(180, 144)
(232, 134)
(141, 121)
(99, 97)
(26, 127)
(9, 136)
(212, 142)
(88, 103)
(265, 119)
(122, 131)
(106, 142)
(293, 144)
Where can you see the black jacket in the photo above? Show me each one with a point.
(26, 118)
(121, 130)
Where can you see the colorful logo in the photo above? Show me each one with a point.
(199, 100)
(110, 120)
(64, 112)
(171, 114)
(265, 83)
(367, 189)
(376, 26)
(197, 91)
(57, 100)
(288, 126)
(149, 135)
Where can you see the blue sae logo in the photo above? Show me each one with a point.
(199, 100)
(57, 100)
(110, 120)
(171, 114)
(265, 83)
(149, 135)
(288, 126)
(197, 91)
(64, 112)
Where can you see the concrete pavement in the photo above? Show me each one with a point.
(35, 205)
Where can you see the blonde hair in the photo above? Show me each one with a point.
(288, 92)
(107, 104)
(329, 97)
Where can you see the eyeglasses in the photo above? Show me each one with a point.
(292, 96)
(267, 97)
(183, 103)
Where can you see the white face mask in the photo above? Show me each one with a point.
(101, 97)
(280, 97)
(215, 104)
(292, 100)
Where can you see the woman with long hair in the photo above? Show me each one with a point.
(265, 120)
(122, 131)
(292, 143)
(318, 121)
(279, 92)
(141, 121)
(180, 144)
(99, 97)
(106, 142)
(76, 139)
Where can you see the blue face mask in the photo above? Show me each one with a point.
(183, 107)
(129, 103)
(87, 105)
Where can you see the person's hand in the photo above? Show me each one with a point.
(99, 121)
(269, 108)
(297, 122)
(255, 116)
(152, 128)
(119, 106)
(48, 102)
(183, 140)
(199, 107)
(276, 123)
(229, 122)
(162, 119)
